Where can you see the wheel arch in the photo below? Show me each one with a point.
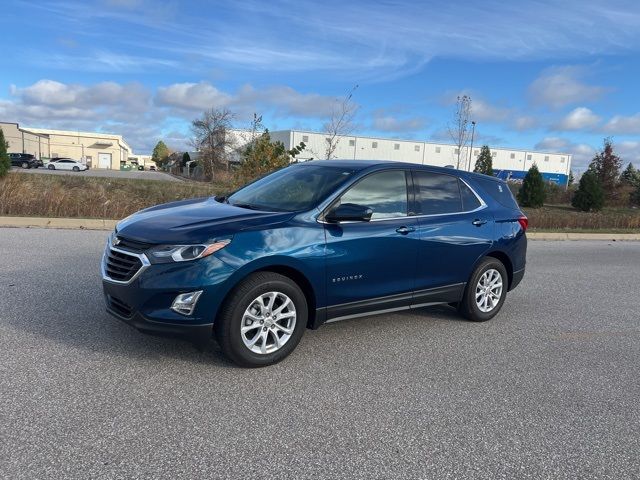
(292, 271)
(506, 261)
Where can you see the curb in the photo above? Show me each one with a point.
(62, 223)
(98, 224)
(607, 237)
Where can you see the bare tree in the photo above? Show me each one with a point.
(459, 127)
(212, 141)
(341, 122)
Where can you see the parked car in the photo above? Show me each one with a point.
(152, 168)
(24, 160)
(316, 242)
(66, 164)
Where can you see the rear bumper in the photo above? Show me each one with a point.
(517, 278)
(195, 333)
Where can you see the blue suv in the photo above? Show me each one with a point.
(312, 243)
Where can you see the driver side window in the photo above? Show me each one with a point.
(384, 192)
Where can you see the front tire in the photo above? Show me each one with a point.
(485, 292)
(25, 165)
(76, 169)
(51, 167)
(262, 320)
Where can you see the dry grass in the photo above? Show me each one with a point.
(91, 197)
(566, 218)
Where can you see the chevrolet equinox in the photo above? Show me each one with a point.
(311, 243)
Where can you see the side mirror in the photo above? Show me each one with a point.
(349, 212)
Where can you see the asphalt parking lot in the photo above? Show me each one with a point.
(548, 389)
(134, 174)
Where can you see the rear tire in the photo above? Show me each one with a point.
(25, 165)
(267, 309)
(76, 169)
(485, 292)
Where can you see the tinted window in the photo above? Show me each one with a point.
(385, 193)
(499, 191)
(469, 200)
(437, 193)
(295, 188)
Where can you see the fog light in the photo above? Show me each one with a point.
(186, 302)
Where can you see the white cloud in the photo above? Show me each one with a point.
(282, 100)
(552, 144)
(525, 122)
(481, 110)
(192, 96)
(128, 109)
(55, 94)
(580, 118)
(390, 123)
(560, 86)
(629, 151)
(620, 124)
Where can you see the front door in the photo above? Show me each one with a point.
(371, 265)
(455, 229)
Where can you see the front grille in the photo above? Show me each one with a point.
(119, 306)
(121, 266)
(132, 245)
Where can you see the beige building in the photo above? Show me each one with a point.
(98, 150)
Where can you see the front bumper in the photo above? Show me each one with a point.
(195, 333)
(144, 301)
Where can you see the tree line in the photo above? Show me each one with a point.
(602, 185)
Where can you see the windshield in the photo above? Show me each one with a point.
(294, 188)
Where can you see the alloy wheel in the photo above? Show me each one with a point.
(268, 323)
(489, 290)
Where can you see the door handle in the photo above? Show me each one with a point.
(405, 230)
(478, 222)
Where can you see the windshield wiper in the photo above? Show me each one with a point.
(246, 205)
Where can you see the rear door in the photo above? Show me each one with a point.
(371, 265)
(455, 229)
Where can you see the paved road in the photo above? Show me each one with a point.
(549, 389)
(135, 174)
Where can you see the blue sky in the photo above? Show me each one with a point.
(551, 75)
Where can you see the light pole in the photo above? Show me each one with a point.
(473, 131)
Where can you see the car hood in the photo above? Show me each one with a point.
(194, 221)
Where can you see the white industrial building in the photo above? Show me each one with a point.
(508, 163)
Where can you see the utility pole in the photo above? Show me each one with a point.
(473, 131)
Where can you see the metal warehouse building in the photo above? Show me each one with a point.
(98, 150)
(507, 163)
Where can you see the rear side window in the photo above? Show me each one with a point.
(499, 192)
(469, 200)
(436, 193)
(385, 193)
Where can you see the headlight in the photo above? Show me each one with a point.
(184, 253)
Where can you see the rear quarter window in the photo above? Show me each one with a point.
(499, 191)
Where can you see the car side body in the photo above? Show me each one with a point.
(66, 164)
(344, 269)
(24, 160)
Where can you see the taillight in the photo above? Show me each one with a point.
(524, 222)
